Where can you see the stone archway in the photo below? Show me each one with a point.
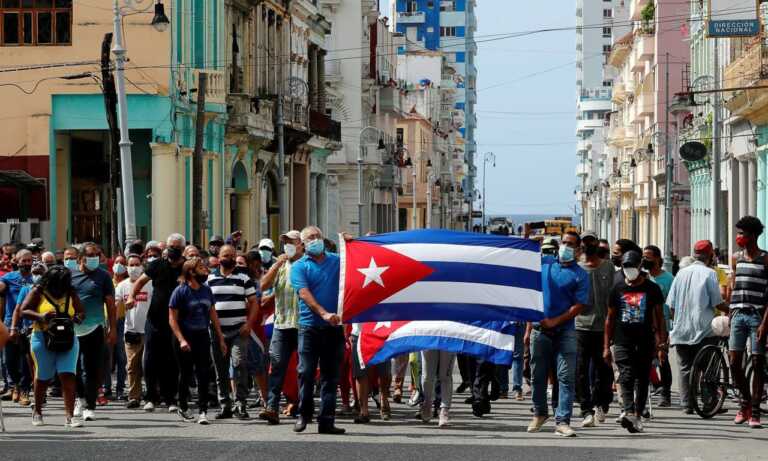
(239, 199)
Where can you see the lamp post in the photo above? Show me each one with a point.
(360, 155)
(488, 157)
(633, 229)
(160, 22)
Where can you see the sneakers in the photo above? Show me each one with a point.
(444, 418)
(78, 408)
(132, 404)
(426, 414)
(270, 416)
(754, 422)
(225, 413)
(397, 396)
(632, 424)
(102, 399)
(24, 400)
(37, 419)
(15, 396)
(362, 419)
(519, 396)
(173, 408)
(742, 416)
(620, 417)
(185, 415)
(536, 423)
(7, 395)
(415, 399)
(589, 421)
(241, 411)
(202, 419)
(149, 407)
(600, 415)
(73, 422)
(666, 402)
(89, 415)
(564, 430)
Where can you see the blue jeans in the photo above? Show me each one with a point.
(118, 360)
(323, 345)
(548, 352)
(284, 342)
(19, 374)
(517, 359)
(744, 325)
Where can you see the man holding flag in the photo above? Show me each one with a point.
(553, 339)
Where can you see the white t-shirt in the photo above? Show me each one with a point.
(135, 318)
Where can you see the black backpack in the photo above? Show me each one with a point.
(60, 335)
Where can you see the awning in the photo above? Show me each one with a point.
(19, 178)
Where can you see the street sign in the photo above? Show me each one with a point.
(733, 18)
(477, 214)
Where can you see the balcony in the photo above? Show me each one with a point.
(619, 93)
(645, 46)
(216, 89)
(749, 69)
(584, 145)
(635, 7)
(413, 17)
(620, 50)
(324, 126)
(644, 104)
(390, 100)
(585, 125)
(583, 169)
(250, 115)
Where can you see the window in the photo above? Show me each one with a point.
(607, 13)
(430, 30)
(607, 83)
(606, 31)
(430, 4)
(447, 31)
(447, 5)
(35, 22)
(412, 6)
(606, 49)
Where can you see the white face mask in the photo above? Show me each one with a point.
(631, 273)
(290, 250)
(134, 272)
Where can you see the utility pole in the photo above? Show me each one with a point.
(110, 107)
(633, 229)
(668, 262)
(618, 207)
(714, 226)
(282, 186)
(197, 161)
(414, 220)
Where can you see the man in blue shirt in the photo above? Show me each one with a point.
(18, 346)
(95, 289)
(565, 287)
(315, 277)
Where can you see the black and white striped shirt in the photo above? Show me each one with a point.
(231, 294)
(749, 291)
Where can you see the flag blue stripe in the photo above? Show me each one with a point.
(446, 311)
(399, 346)
(484, 273)
(452, 238)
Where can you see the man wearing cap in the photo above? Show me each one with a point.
(549, 247)
(593, 376)
(553, 340)
(692, 300)
(214, 244)
(285, 333)
(267, 253)
(634, 317)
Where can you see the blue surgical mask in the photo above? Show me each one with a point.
(266, 256)
(70, 264)
(118, 268)
(315, 247)
(92, 262)
(566, 254)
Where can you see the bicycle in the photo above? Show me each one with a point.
(710, 379)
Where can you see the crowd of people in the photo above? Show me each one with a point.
(240, 329)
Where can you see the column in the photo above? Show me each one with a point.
(313, 200)
(742, 187)
(735, 190)
(751, 186)
(761, 198)
(322, 201)
(166, 208)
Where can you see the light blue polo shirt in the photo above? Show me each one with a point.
(322, 280)
(563, 287)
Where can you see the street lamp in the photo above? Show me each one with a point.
(633, 229)
(360, 154)
(160, 22)
(488, 157)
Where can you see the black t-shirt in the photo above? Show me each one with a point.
(635, 307)
(165, 279)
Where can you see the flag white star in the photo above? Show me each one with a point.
(382, 325)
(373, 273)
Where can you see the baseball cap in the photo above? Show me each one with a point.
(631, 259)
(549, 244)
(267, 243)
(589, 234)
(291, 235)
(703, 247)
(152, 244)
(217, 239)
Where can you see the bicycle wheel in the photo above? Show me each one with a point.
(748, 376)
(709, 381)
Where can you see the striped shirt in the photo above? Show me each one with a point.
(749, 291)
(231, 294)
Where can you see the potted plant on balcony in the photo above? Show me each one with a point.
(647, 15)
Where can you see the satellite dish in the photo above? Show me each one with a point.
(693, 151)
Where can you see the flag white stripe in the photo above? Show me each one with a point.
(440, 252)
(468, 293)
(456, 330)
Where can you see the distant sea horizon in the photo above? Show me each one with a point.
(519, 219)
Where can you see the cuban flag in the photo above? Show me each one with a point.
(493, 341)
(440, 275)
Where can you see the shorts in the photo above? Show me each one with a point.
(256, 359)
(744, 326)
(383, 369)
(48, 364)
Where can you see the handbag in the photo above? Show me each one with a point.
(60, 335)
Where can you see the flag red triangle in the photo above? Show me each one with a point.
(373, 273)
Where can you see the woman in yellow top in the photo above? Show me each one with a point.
(52, 294)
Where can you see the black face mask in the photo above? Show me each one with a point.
(201, 278)
(227, 263)
(603, 253)
(648, 265)
(616, 260)
(25, 268)
(591, 250)
(174, 253)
